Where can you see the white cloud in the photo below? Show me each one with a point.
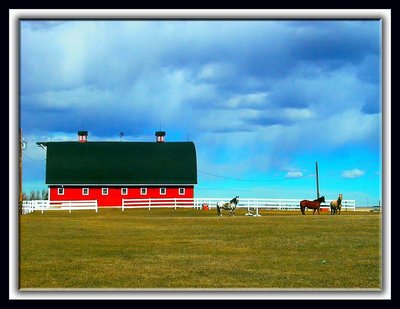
(297, 113)
(350, 126)
(215, 71)
(355, 173)
(248, 100)
(294, 174)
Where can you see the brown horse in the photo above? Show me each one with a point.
(315, 204)
(337, 204)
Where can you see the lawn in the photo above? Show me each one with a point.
(195, 249)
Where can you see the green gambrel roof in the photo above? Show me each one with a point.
(120, 163)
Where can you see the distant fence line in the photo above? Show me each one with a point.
(255, 204)
(252, 204)
(42, 205)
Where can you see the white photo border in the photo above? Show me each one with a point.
(17, 14)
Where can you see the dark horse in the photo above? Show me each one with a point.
(231, 206)
(315, 204)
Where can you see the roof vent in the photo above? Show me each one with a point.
(82, 136)
(160, 136)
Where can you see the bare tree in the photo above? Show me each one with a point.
(45, 195)
(32, 195)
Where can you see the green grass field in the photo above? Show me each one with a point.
(195, 249)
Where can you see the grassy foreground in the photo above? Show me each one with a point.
(195, 249)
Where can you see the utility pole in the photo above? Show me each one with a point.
(316, 170)
(22, 146)
(20, 166)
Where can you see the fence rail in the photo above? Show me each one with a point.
(42, 205)
(31, 206)
(160, 203)
(253, 205)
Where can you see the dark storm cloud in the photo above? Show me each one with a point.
(372, 104)
(133, 75)
(335, 40)
(42, 25)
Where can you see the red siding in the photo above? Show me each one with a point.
(114, 197)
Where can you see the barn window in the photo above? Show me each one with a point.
(181, 191)
(104, 191)
(124, 191)
(60, 191)
(163, 191)
(85, 191)
(143, 191)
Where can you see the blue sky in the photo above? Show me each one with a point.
(263, 100)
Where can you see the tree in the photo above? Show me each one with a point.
(45, 195)
(24, 196)
(32, 195)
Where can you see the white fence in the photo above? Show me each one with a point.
(160, 203)
(42, 205)
(253, 205)
(31, 206)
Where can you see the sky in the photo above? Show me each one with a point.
(262, 100)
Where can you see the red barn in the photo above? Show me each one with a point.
(110, 171)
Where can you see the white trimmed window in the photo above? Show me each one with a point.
(163, 191)
(60, 191)
(143, 191)
(85, 191)
(124, 191)
(181, 191)
(104, 191)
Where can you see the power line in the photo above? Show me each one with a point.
(250, 180)
(238, 179)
